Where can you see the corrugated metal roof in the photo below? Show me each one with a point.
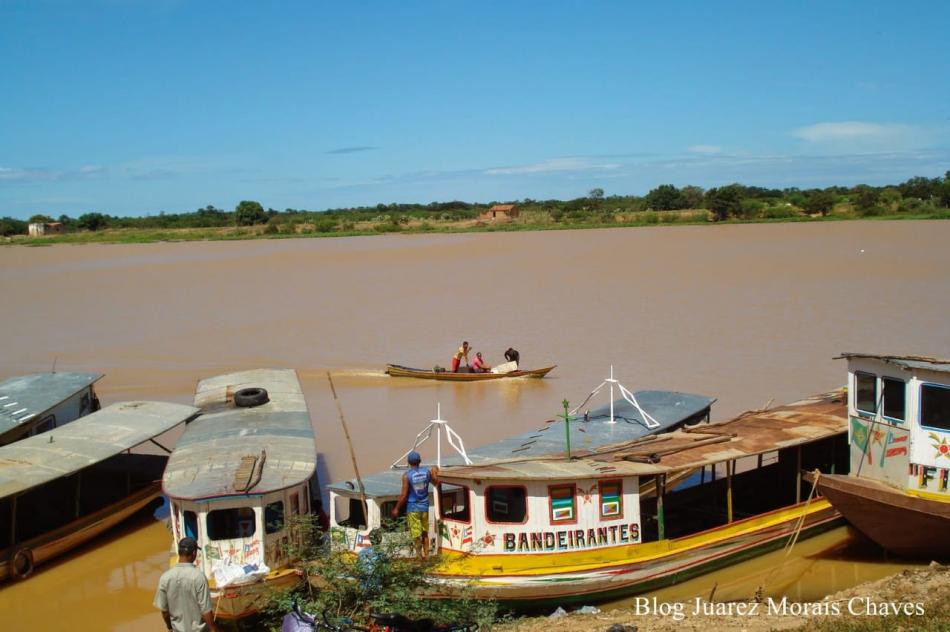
(906, 361)
(26, 397)
(210, 452)
(96, 437)
(668, 408)
(749, 434)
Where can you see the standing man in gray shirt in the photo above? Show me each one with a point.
(183, 595)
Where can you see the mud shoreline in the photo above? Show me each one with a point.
(910, 599)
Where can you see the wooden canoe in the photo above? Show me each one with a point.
(403, 371)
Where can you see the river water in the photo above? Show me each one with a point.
(747, 314)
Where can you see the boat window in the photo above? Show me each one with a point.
(935, 407)
(349, 512)
(274, 517)
(611, 499)
(191, 524)
(563, 504)
(230, 524)
(865, 393)
(47, 424)
(6, 522)
(506, 504)
(453, 502)
(893, 395)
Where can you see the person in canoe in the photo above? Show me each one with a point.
(512, 355)
(478, 365)
(461, 353)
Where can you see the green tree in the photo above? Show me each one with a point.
(820, 202)
(12, 226)
(693, 196)
(92, 221)
(666, 197)
(725, 201)
(918, 187)
(945, 191)
(41, 219)
(249, 213)
(865, 198)
(596, 194)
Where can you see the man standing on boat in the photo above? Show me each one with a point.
(461, 353)
(183, 595)
(415, 496)
(512, 355)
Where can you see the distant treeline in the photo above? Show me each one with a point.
(918, 195)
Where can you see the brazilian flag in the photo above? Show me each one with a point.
(859, 435)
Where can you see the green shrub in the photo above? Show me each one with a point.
(779, 212)
(324, 225)
(871, 211)
(751, 208)
(393, 583)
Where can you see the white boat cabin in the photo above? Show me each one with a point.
(899, 431)
(242, 530)
(509, 516)
(242, 472)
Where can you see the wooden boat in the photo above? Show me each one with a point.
(30, 404)
(68, 485)
(237, 477)
(621, 517)
(896, 492)
(395, 370)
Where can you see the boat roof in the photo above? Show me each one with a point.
(275, 438)
(905, 361)
(26, 397)
(750, 434)
(89, 440)
(669, 408)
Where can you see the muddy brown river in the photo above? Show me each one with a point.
(747, 314)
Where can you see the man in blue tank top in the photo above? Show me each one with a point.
(415, 497)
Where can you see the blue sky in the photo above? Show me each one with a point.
(135, 107)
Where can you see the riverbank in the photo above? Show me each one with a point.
(416, 227)
(909, 600)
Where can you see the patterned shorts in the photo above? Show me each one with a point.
(418, 522)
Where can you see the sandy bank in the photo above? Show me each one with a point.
(911, 599)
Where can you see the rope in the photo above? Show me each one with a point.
(792, 541)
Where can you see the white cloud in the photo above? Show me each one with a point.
(553, 165)
(704, 149)
(855, 131)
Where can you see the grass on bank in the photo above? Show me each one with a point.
(531, 221)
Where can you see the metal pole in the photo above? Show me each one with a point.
(612, 393)
(660, 518)
(730, 467)
(798, 473)
(567, 429)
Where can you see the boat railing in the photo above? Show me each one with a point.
(648, 419)
(438, 424)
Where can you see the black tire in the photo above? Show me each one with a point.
(21, 563)
(250, 397)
